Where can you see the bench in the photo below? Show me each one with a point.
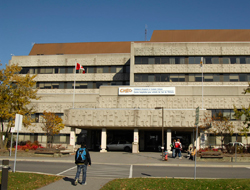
(211, 154)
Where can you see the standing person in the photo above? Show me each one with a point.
(178, 148)
(192, 154)
(82, 160)
(173, 149)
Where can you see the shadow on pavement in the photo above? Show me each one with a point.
(69, 180)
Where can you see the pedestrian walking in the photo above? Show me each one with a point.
(82, 160)
(178, 147)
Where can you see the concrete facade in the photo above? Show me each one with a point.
(103, 109)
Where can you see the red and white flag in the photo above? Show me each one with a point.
(79, 67)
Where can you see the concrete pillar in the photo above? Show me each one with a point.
(135, 145)
(168, 140)
(104, 140)
(72, 141)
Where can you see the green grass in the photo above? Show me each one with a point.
(28, 181)
(174, 184)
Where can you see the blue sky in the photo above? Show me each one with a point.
(23, 22)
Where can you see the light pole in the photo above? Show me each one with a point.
(162, 138)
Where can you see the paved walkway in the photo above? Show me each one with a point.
(118, 158)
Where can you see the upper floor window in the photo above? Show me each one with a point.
(191, 60)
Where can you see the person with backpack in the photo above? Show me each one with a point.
(173, 149)
(178, 148)
(82, 160)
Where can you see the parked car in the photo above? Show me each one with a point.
(120, 145)
(237, 143)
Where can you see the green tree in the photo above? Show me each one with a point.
(244, 114)
(16, 93)
(52, 124)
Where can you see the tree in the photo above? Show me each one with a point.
(52, 124)
(16, 93)
(244, 114)
(218, 124)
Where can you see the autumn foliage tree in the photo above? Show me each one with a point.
(219, 125)
(52, 124)
(244, 113)
(16, 93)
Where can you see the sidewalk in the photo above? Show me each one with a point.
(119, 158)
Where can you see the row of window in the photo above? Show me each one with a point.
(35, 117)
(207, 77)
(226, 113)
(42, 138)
(192, 60)
(78, 85)
(68, 70)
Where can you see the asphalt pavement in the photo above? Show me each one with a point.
(118, 158)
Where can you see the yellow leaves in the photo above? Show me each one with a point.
(16, 93)
(52, 123)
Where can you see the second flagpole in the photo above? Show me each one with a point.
(74, 85)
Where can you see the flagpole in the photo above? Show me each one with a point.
(202, 78)
(74, 85)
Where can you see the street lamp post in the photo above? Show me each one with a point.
(162, 138)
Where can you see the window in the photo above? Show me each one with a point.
(165, 60)
(197, 60)
(225, 60)
(215, 60)
(55, 85)
(48, 70)
(151, 78)
(181, 77)
(106, 70)
(198, 77)
(208, 77)
(164, 77)
(242, 60)
(242, 77)
(233, 60)
(151, 60)
(191, 78)
(207, 60)
(90, 70)
(191, 60)
(234, 77)
(99, 70)
(174, 78)
(157, 60)
(137, 78)
(62, 70)
(226, 78)
(216, 78)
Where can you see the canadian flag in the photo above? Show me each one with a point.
(79, 67)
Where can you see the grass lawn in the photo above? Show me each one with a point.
(164, 183)
(26, 181)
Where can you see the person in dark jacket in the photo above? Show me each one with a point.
(82, 166)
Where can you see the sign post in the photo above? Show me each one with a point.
(12, 130)
(18, 127)
(196, 123)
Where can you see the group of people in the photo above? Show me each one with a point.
(176, 148)
(82, 158)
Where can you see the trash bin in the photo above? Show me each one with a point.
(166, 155)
